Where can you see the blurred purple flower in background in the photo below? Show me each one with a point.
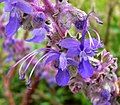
(14, 7)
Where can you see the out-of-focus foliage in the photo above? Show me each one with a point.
(45, 94)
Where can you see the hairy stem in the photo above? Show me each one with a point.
(28, 92)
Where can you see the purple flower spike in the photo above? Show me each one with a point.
(39, 35)
(13, 24)
(62, 77)
(85, 69)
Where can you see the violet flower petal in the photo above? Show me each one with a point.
(2, 1)
(72, 52)
(12, 26)
(24, 6)
(51, 57)
(69, 43)
(8, 7)
(38, 35)
(85, 69)
(62, 77)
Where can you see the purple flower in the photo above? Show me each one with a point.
(1, 1)
(38, 35)
(106, 103)
(19, 4)
(63, 75)
(105, 95)
(13, 24)
(41, 29)
(39, 19)
(104, 98)
(15, 8)
(85, 69)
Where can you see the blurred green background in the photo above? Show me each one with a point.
(109, 12)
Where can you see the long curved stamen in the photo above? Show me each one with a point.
(91, 40)
(36, 65)
(20, 69)
(98, 36)
(29, 62)
(28, 56)
(11, 69)
(24, 58)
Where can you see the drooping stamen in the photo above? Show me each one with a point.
(21, 72)
(36, 65)
(98, 36)
(12, 68)
(91, 40)
(29, 62)
(24, 58)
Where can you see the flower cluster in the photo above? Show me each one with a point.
(80, 62)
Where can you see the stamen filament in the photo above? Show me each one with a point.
(36, 65)
(25, 61)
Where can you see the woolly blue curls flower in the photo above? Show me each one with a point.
(63, 74)
(15, 7)
(40, 28)
(84, 49)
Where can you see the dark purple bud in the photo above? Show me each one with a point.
(79, 24)
(39, 18)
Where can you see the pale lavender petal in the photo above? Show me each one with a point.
(62, 77)
(12, 26)
(51, 57)
(63, 61)
(38, 35)
(69, 43)
(85, 69)
(24, 6)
